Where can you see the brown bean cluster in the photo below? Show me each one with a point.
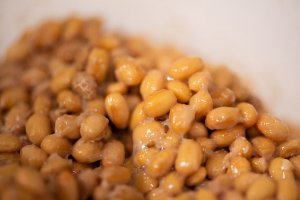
(87, 114)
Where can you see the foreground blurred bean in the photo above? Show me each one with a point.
(9, 143)
(287, 189)
(172, 183)
(296, 163)
(197, 177)
(203, 193)
(37, 128)
(262, 188)
(33, 156)
(115, 174)
(15, 119)
(31, 180)
(87, 181)
(67, 186)
(55, 164)
(12, 96)
(42, 104)
(126, 192)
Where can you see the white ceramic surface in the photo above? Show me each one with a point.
(260, 40)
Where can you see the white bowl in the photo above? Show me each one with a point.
(259, 40)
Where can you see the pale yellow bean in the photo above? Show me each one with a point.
(159, 103)
(222, 118)
(9, 143)
(147, 134)
(200, 81)
(242, 147)
(180, 89)
(281, 168)
(116, 174)
(202, 103)
(87, 151)
(143, 182)
(183, 68)
(56, 144)
(68, 188)
(197, 177)
(37, 128)
(31, 180)
(216, 164)
(67, 126)
(129, 71)
(97, 64)
(206, 194)
(249, 114)
(62, 80)
(117, 110)
(33, 156)
(181, 118)
(287, 189)
(113, 153)
(92, 127)
(237, 166)
(161, 163)
(189, 157)
(138, 115)
(272, 127)
(263, 146)
(262, 188)
(172, 183)
(153, 81)
(289, 148)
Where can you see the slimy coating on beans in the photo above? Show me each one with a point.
(89, 114)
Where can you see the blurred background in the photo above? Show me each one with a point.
(259, 40)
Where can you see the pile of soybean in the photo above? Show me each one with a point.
(90, 114)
